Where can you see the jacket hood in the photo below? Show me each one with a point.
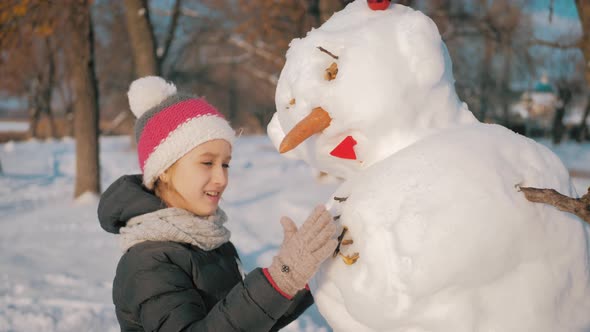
(124, 199)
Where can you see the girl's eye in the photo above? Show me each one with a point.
(225, 165)
(207, 163)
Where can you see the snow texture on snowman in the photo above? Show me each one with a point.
(445, 240)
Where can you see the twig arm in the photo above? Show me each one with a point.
(578, 206)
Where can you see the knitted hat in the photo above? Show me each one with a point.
(170, 124)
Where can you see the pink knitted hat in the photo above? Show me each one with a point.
(170, 124)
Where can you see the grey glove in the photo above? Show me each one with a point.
(303, 250)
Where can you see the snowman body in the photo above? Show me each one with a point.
(448, 245)
(446, 240)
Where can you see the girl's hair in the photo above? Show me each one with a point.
(160, 187)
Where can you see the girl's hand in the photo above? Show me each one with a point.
(303, 250)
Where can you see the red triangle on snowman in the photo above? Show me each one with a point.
(345, 149)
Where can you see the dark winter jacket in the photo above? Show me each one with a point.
(169, 286)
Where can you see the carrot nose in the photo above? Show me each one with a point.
(315, 122)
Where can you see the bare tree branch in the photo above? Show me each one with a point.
(183, 11)
(258, 51)
(269, 78)
(191, 13)
(230, 59)
(555, 44)
(171, 32)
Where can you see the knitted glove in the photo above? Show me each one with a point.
(303, 250)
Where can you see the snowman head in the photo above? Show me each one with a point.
(363, 86)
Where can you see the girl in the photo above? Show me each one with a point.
(179, 271)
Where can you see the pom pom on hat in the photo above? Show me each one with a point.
(147, 92)
(170, 124)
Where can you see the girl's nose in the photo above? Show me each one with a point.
(219, 176)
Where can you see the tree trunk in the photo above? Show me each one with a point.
(583, 127)
(85, 89)
(33, 106)
(485, 78)
(47, 88)
(565, 95)
(142, 39)
(583, 7)
(558, 127)
(143, 45)
(505, 84)
(161, 56)
(67, 103)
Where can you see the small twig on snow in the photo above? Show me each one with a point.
(328, 52)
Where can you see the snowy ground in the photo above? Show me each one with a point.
(14, 126)
(57, 264)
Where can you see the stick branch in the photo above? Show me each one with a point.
(578, 206)
(328, 52)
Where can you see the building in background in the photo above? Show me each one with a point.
(536, 107)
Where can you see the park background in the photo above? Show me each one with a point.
(66, 129)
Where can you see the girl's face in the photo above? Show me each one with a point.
(197, 180)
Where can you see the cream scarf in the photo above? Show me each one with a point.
(178, 225)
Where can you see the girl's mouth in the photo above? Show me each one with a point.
(214, 196)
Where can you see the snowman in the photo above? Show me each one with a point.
(438, 237)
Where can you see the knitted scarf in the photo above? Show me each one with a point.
(178, 225)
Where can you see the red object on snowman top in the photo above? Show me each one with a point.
(378, 4)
